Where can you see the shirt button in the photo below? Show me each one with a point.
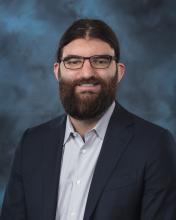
(83, 151)
(78, 182)
(73, 214)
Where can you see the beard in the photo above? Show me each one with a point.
(87, 105)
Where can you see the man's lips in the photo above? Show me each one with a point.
(88, 87)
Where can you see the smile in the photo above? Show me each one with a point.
(88, 87)
(88, 84)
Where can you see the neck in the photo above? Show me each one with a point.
(83, 126)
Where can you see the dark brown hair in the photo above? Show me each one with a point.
(91, 28)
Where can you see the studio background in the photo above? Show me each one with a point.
(29, 34)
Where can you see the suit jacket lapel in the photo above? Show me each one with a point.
(52, 157)
(115, 142)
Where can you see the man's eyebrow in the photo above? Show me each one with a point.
(72, 55)
(77, 56)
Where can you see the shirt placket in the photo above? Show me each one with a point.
(77, 181)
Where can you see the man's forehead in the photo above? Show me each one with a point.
(87, 47)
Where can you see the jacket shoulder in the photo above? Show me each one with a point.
(142, 124)
(143, 128)
(51, 124)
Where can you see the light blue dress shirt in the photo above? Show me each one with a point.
(78, 164)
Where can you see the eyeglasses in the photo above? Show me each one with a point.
(74, 62)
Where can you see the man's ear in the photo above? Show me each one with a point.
(56, 70)
(120, 71)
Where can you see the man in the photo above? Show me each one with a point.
(97, 162)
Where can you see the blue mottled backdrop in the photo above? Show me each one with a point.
(29, 33)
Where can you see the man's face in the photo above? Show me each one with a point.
(87, 92)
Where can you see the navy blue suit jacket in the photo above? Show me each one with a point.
(134, 179)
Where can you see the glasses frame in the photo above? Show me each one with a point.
(111, 58)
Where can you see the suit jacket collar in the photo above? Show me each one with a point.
(52, 157)
(118, 135)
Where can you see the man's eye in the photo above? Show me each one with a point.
(101, 61)
(73, 61)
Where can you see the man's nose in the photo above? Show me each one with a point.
(87, 70)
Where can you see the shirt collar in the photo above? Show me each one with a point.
(69, 130)
(100, 127)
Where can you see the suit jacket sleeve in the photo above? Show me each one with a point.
(159, 198)
(14, 200)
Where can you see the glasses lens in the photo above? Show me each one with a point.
(73, 62)
(101, 61)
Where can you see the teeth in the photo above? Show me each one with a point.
(87, 84)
